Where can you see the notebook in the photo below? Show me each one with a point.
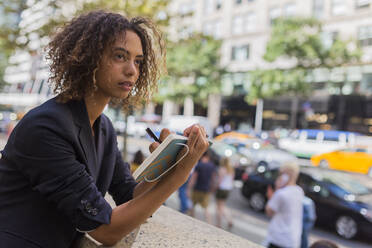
(162, 159)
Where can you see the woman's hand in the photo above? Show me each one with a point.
(198, 144)
(163, 134)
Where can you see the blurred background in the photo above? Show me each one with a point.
(271, 81)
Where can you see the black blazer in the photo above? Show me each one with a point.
(54, 174)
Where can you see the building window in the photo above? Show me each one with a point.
(274, 13)
(213, 28)
(362, 3)
(238, 25)
(328, 38)
(186, 9)
(218, 4)
(240, 53)
(208, 6)
(251, 21)
(218, 30)
(339, 7)
(290, 9)
(365, 36)
(318, 8)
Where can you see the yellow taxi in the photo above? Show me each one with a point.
(356, 159)
(232, 135)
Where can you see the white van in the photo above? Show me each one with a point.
(178, 123)
(305, 143)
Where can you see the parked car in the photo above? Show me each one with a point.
(355, 159)
(178, 123)
(305, 143)
(342, 202)
(268, 156)
(238, 160)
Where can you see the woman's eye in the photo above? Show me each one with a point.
(138, 61)
(120, 56)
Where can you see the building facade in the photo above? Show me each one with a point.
(244, 26)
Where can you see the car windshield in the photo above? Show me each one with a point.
(349, 184)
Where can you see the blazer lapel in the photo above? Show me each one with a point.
(101, 136)
(85, 136)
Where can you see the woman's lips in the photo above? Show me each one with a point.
(127, 86)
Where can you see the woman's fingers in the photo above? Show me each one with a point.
(164, 133)
(153, 146)
(193, 136)
(187, 131)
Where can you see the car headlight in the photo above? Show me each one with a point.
(367, 213)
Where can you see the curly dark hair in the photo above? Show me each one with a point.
(76, 50)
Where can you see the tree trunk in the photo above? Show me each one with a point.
(258, 119)
(188, 107)
(214, 109)
(294, 110)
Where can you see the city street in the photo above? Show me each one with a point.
(247, 223)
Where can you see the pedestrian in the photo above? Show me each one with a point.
(324, 244)
(308, 220)
(285, 209)
(137, 161)
(185, 202)
(62, 157)
(225, 185)
(202, 184)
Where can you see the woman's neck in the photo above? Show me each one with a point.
(95, 106)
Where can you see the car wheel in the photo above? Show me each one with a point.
(323, 164)
(346, 227)
(257, 202)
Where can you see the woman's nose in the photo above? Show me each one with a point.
(130, 68)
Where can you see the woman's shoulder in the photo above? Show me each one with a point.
(49, 113)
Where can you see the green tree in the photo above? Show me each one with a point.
(300, 41)
(9, 31)
(193, 70)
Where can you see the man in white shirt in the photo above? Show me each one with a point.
(285, 209)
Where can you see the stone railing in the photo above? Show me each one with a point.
(169, 228)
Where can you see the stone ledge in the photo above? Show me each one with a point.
(169, 228)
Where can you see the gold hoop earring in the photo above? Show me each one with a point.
(95, 88)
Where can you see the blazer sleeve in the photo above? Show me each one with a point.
(123, 184)
(44, 153)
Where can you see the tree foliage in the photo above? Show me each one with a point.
(9, 31)
(302, 42)
(193, 70)
(303, 39)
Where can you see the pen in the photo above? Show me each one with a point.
(152, 135)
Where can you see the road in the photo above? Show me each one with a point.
(247, 223)
(253, 226)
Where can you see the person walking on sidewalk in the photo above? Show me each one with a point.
(285, 209)
(202, 184)
(225, 185)
(308, 220)
(62, 157)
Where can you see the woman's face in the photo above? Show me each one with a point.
(119, 67)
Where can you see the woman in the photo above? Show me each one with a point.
(62, 157)
(225, 185)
